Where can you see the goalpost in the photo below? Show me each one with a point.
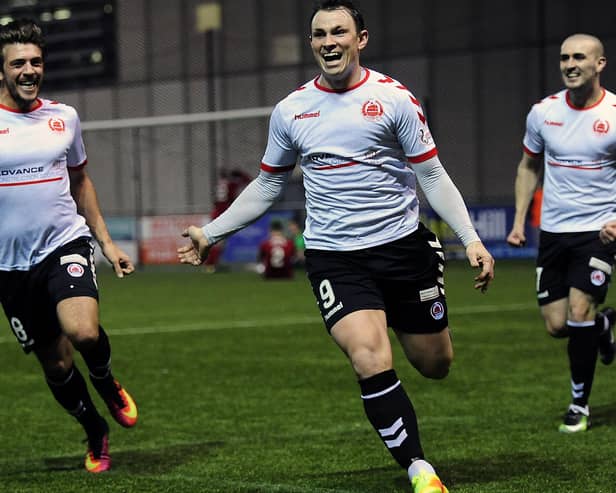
(147, 160)
(155, 175)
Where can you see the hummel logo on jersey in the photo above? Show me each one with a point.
(4, 131)
(553, 123)
(303, 116)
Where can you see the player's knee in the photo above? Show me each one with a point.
(437, 367)
(84, 338)
(57, 370)
(367, 363)
(579, 312)
(558, 332)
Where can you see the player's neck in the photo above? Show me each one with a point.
(8, 102)
(585, 97)
(344, 83)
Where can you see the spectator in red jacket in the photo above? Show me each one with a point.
(277, 253)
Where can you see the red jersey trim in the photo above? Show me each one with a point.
(334, 166)
(531, 153)
(422, 157)
(583, 168)
(33, 182)
(354, 86)
(570, 104)
(36, 106)
(276, 169)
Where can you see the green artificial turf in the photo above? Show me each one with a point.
(240, 389)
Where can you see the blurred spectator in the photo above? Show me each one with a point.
(297, 238)
(230, 184)
(277, 253)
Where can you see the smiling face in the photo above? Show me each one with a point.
(581, 62)
(335, 45)
(21, 75)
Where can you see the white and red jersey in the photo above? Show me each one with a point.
(579, 147)
(38, 212)
(354, 149)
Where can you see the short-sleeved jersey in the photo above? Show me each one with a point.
(579, 147)
(277, 254)
(354, 149)
(38, 212)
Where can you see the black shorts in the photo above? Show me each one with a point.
(573, 260)
(404, 278)
(29, 298)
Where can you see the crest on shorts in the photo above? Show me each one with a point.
(597, 277)
(372, 110)
(437, 310)
(75, 270)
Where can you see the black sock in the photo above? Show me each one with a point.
(602, 323)
(561, 334)
(583, 348)
(72, 394)
(98, 356)
(98, 359)
(391, 413)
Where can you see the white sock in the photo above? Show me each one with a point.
(419, 465)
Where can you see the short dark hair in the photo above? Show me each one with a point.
(276, 225)
(339, 4)
(24, 31)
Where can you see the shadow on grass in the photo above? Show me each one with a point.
(370, 480)
(499, 468)
(603, 415)
(468, 473)
(150, 462)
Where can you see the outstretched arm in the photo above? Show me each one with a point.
(84, 194)
(446, 200)
(525, 184)
(250, 205)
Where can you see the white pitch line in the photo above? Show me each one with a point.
(248, 324)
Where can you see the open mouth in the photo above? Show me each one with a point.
(332, 57)
(28, 85)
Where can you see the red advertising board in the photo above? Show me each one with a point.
(161, 236)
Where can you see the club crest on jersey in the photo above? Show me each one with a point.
(56, 124)
(437, 310)
(597, 277)
(75, 270)
(372, 110)
(601, 126)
